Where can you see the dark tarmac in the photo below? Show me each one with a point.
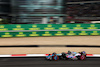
(41, 62)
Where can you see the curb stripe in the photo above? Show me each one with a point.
(96, 55)
(89, 55)
(36, 55)
(41, 55)
(18, 55)
(5, 55)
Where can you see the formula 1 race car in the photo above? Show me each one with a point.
(74, 55)
(52, 57)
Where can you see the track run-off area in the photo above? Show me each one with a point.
(59, 40)
(41, 62)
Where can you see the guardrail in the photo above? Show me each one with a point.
(26, 30)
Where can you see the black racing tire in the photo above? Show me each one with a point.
(82, 57)
(63, 56)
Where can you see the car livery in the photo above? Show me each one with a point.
(74, 55)
(54, 57)
(69, 55)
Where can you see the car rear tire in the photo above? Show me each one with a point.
(82, 57)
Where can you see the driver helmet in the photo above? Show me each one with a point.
(54, 53)
(69, 52)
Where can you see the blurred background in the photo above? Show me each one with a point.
(49, 11)
(49, 22)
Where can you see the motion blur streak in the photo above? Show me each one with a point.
(41, 62)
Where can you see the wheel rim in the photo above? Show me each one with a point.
(55, 58)
(82, 57)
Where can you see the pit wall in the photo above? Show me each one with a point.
(34, 30)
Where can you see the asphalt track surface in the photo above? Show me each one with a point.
(41, 62)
